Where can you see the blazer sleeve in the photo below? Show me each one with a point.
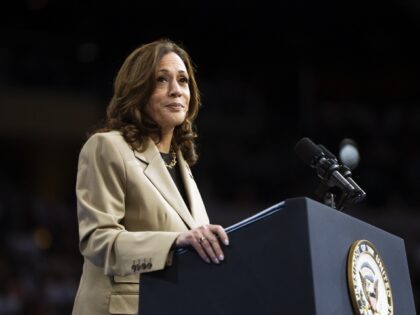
(100, 190)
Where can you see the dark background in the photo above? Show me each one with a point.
(269, 75)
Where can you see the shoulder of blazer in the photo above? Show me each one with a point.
(111, 136)
(110, 139)
(115, 139)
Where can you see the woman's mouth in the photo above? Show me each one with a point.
(175, 106)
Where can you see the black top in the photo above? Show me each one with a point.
(176, 176)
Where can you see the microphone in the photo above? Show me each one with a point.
(345, 170)
(331, 173)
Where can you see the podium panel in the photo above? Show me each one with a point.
(288, 259)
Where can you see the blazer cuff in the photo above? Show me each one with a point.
(144, 251)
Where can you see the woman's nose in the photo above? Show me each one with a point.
(174, 89)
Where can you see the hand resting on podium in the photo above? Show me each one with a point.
(205, 240)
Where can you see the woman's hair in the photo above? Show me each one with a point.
(133, 87)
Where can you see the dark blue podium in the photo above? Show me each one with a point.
(288, 259)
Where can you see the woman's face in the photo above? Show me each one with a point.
(168, 105)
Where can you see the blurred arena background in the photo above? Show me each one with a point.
(269, 74)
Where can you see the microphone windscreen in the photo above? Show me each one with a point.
(308, 151)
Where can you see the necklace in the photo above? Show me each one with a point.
(173, 162)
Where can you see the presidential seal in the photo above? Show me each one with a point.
(368, 280)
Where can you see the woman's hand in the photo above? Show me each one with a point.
(205, 240)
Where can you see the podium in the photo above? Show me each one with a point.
(288, 259)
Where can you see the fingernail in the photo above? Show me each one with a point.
(221, 257)
(226, 242)
(207, 260)
(216, 260)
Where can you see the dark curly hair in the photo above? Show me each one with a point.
(134, 85)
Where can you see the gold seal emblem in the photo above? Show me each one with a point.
(368, 281)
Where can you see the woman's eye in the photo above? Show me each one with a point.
(161, 79)
(184, 80)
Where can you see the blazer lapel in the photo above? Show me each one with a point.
(157, 173)
(194, 198)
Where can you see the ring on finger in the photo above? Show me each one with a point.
(201, 239)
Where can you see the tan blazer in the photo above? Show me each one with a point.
(130, 212)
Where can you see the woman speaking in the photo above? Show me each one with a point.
(136, 197)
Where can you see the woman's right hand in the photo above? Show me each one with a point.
(205, 240)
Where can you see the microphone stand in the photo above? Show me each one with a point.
(336, 196)
(332, 196)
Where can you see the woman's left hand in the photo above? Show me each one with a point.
(205, 240)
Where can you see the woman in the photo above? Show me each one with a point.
(137, 199)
